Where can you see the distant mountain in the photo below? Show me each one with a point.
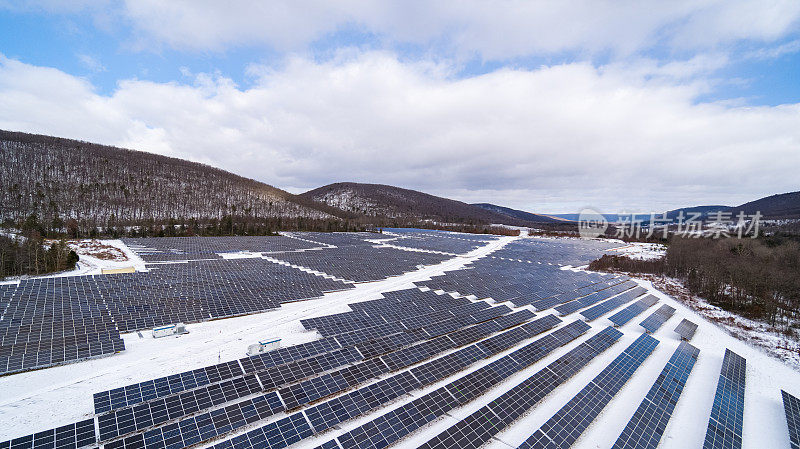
(704, 211)
(611, 218)
(101, 186)
(397, 205)
(519, 214)
(780, 206)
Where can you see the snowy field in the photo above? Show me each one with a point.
(641, 251)
(47, 398)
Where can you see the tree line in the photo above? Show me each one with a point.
(758, 278)
(31, 254)
(75, 187)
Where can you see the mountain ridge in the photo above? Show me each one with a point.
(396, 204)
(65, 181)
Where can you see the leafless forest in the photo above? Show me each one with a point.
(77, 187)
(755, 277)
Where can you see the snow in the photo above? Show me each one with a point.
(44, 399)
(96, 255)
(32, 401)
(642, 251)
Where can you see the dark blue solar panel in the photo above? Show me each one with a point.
(791, 405)
(71, 436)
(476, 429)
(596, 311)
(645, 428)
(657, 318)
(686, 329)
(566, 426)
(627, 314)
(727, 413)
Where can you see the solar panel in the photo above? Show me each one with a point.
(604, 307)
(396, 424)
(566, 426)
(628, 313)
(279, 434)
(71, 436)
(594, 298)
(480, 426)
(144, 415)
(727, 413)
(164, 386)
(319, 387)
(653, 322)
(334, 411)
(686, 329)
(646, 427)
(791, 405)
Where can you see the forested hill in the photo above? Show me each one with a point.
(398, 206)
(69, 183)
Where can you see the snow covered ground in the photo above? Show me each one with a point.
(44, 399)
(641, 251)
(96, 255)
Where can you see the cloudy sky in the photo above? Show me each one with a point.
(542, 106)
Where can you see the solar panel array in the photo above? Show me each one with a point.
(71, 436)
(399, 422)
(541, 286)
(438, 241)
(360, 263)
(165, 386)
(156, 412)
(290, 429)
(791, 406)
(198, 248)
(55, 320)
(628, 313)
(574, 252)
(596, 297)
(598, 310)
(653, 322)
(197, 291)
(686, 329)
(372, 356)
(727, 413)
(566, 426)
(479, 427)
(646, 427)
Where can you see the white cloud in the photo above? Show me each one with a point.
(91, 63)
(550, 139)
(494, 30)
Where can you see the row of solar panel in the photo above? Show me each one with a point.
(105, 401)
(380, 431)
(594, 298)
(47, 357)
(119, 423)
(727, 412)
(347, 407)
(646, 427)
(147, 414)
(653, 322)
(571, 295)
(628, 313)
(569, 422)
(598, 310)
(202, 427)
(132, 440)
